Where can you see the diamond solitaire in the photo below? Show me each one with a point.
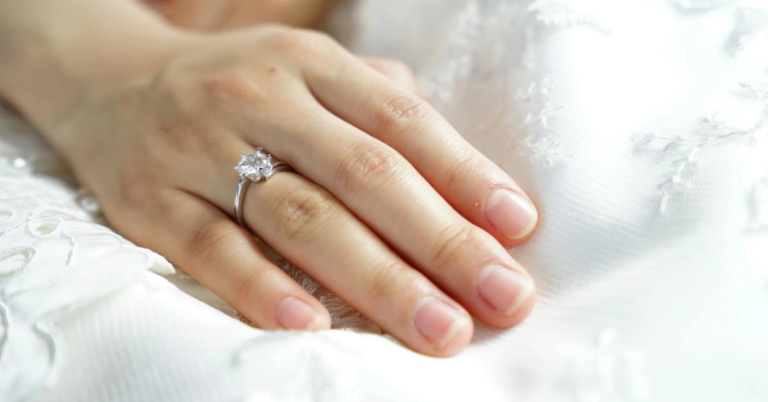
(255, 166)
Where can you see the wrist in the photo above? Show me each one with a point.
(49, 67)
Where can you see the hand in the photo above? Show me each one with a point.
(389, 207)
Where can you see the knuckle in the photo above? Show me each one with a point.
(301, 41)
(303, 212)
(369, 165)
(138, 187)
(319, 38)
(195, 86)
(396, 70)
(233, 84)
(210, 239)
(173, 74)
(286, 38)
(453, 240)
(387, 282)
(466, 168)
(400, 113)
(246, 287)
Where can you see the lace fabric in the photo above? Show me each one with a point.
(639, 127)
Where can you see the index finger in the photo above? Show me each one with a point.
(477, 188)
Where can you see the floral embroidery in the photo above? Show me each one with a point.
(499, 49)
(528, 121)
(440, 84)
(38, 284)
(685, 152)
(682, 153)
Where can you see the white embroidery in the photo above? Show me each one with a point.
(304, 381)
(559, 13)
(493, 40)
(750, 22)
(754, 90)
(758, 205)
(343, 316)
(529, 133)
(608, 372)
(699, 5)
(41, 283)
(682, 153)
(455, 63)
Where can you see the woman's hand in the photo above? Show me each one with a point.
(389, 207)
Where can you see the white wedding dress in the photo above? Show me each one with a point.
(640, 129)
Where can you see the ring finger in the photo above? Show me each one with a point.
(390, 196)
(312, 229)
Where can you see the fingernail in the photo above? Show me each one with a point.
(295, 314)
(510, 213)
(438, 321)
(503, 288)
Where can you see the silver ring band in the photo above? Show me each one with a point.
(255, 167)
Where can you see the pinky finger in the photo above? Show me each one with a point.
(220, 254)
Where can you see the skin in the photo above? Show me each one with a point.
(388, 207)
(212, 15)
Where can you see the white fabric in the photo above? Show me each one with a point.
(640, 129)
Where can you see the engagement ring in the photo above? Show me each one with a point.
(255, 167)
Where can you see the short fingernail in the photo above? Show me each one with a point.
(503, 288)
(438, 321)
(295, 314)
(510, 213)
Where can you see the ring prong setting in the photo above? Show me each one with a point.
(255, 166)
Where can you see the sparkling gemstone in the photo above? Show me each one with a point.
(19, 162)
(255, 166)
